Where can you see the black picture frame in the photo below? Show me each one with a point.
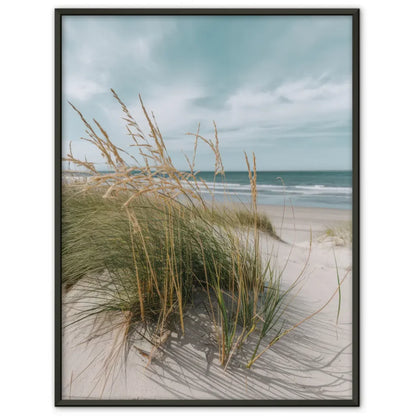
(355, 14)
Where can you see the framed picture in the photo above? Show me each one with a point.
(207, 207)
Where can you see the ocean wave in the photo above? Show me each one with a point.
(276, 189)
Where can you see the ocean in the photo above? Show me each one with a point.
(325, 189)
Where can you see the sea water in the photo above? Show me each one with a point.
(325, 189)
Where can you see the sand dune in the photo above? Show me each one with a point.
(312, 362)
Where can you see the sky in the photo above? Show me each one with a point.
(278, 86)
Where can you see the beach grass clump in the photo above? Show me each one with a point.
(139, 239)
(341, 234)
(150, 272)
(261, 221)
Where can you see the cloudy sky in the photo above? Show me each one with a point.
(276, 85)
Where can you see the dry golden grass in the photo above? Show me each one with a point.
(140, 239)
(227, 265)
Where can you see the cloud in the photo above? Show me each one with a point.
(102, 53)
(288, 82)
(292, 95)
(310, 110)
(81, 89)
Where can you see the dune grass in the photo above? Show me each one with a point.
(140, 239)
(261, 221)
(151, 271)
(341, 234)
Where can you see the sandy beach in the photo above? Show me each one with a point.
(311, 362)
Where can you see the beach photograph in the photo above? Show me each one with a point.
(208, 208)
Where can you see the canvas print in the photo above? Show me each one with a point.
(207, 224)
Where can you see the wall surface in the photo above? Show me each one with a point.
(388, 285)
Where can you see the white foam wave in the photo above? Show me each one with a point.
(274, 189)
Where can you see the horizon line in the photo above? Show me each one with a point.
(229, 171)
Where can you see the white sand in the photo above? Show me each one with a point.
(312, 362)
